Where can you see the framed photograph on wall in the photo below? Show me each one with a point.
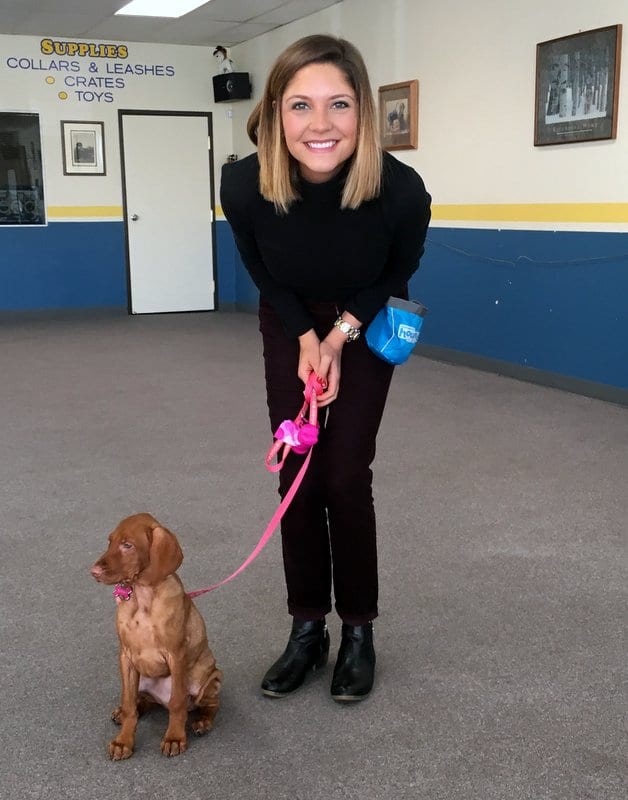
(577, 87)
(83, 146)
(399, 115)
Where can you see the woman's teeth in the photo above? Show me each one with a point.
(321, 145)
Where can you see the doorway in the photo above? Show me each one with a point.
(167, 182)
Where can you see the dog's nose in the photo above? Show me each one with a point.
(96, 571)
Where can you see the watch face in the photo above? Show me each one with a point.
(345, 327)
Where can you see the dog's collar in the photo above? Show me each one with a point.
(122, 591)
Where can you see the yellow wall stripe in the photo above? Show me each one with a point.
(533, 212)
(478, 212)
(59, 212)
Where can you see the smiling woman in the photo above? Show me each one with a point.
(279, 173)
(328, 227)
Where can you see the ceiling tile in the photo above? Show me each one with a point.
(293, 9)
(129, 29)
(24, 5)
(187, 32)
(104, 8)
(55, 24)
(225, 21)
(236, 10)
(246, 31)
(12, 19)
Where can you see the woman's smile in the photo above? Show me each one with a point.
(321, 145)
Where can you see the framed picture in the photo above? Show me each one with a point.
(399, 115)
(83, 145)
(577, 87)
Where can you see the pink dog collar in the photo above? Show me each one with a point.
(122, 592)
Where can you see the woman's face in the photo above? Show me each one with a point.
(319, 114)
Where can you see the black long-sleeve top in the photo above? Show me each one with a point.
(318, 252)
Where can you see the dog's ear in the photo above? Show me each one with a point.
(165, 556)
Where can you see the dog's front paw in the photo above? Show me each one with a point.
(119, 749)
(173, 746)
(201, 726)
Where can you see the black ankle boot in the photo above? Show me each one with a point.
(355, 667)
(307, 649)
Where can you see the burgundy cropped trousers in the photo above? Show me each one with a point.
(328, 532)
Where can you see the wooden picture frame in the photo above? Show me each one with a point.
(577, 87)
(399, 115)
(83, 147)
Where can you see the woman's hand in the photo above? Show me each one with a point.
(323, 358)
(331, 353)
(309, 355)
(329, 367)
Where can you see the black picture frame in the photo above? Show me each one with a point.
(577, 87)
(83, 147)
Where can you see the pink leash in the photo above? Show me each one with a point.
(300, 435)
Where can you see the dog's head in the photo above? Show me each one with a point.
(140, 549)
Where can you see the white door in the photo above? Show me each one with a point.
(167, 182)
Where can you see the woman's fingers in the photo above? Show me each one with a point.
(309, 355)
(329, 370)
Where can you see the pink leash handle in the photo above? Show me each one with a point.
(301, 433)
(302, 425)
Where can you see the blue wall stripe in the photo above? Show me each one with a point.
(62, 265)
(553, 301)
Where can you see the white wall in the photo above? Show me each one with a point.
(25, 88)
(475, 64)
(476, 68)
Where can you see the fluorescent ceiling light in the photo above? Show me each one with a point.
(160, 8)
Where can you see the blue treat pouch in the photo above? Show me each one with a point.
(395, 329)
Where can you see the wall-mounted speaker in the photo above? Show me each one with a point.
(231, 86)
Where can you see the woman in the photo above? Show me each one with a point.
(328, 227)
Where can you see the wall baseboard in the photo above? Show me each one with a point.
(600, 391)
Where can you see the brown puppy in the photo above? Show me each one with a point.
(164, 656)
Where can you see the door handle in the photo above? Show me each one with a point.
(134, 217)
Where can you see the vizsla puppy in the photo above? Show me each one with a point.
(164, 656)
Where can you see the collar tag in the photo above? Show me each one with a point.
(122, 592)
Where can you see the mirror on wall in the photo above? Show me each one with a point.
(21, 172)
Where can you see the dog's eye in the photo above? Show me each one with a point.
(127, 545)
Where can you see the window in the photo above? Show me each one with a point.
(21, 172)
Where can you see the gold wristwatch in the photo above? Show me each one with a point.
(345, 327)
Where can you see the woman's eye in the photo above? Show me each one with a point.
(300, 106)
(340, 104)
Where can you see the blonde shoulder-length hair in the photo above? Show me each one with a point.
(278, 169)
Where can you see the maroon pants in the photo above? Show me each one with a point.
(328, 532)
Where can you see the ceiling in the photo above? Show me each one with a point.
(225, 22)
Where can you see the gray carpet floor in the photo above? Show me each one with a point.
(502, 512)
